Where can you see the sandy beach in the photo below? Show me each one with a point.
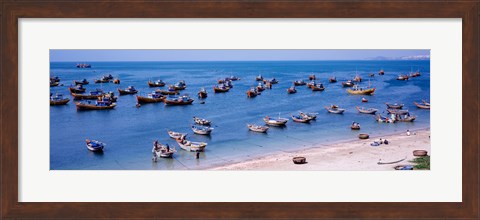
(352, 155)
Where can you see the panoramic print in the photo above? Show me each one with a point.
(271, 110)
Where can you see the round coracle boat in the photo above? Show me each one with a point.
(363, 136)
(299, 160)
(420, 153)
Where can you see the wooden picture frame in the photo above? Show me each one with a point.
(11, 11)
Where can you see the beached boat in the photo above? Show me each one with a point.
(163, 151)
(421, 106)
(397, 111)
(275, 121)
(363, 136)
(333, 79)
(53, 83)
(181, 100)
(260, 87)
(220, 88)
(381, 118)
(177, 135)
(158, 83)
(381, 72)
(91, 95)
(355, 126)
(299, 118)
(291, 90)
(202, 93)
(94, 145)
(191, 146)
(171, 91)
(77, 89)
(252, 93)
(309, 115)
(128, 90)
(311, 77)
(203, 130)
(181, 85)
(58, 100)
(357, 78)
(366, 110)
(201, 121)
(257, 128)
(348, 83)
(116, 81)
(104, 104)
(299, 83)
(334, 109)
(299, 160)
(259, 78)
(82, 82)
(318, 87)
(402, 77)
(364, 99)
(153, 97)
(356, 90)
(83, 65)
(395, 105)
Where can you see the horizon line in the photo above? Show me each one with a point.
(234, 60)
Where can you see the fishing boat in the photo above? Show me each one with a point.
(94, 145)
(55, 79)
(177, 135)
(202, 93)
(232, 78)
(128, 90)
(257, 128)
(348, 83)
(311, 77)
(333, 79)
(220, 88)
(299, 83)
(53, 83)
(203, 130)
(355, 126)
(158, 83)
(275, 121)
(109, 76)
(381, 72)
(395, 105)
(402, 77)
(426, 102)
(422, 106)
(91, 95)
(221, 81)
(181, 85)
(171, 91)
(116, 81)
(58, 100)
(318, 87)
(103, 104)
(397, 111)
(372, 75)
(356, 90)
(311, 84)
(153, 97)
(201, 121)
(334, 109)
(291, 90)
(82, 82)
(260, 87)
(77, 89)
(190, 145)
(405, 118)
(228, 84)
(366, 110)
(181, 100)
(252, 93)
(299, 118)
(163, 151)
(415, 74)
(364, 99)
(83, 65)
(259, 78)
(381, 118)
(102, 80)
(272, 81)
(310, 115)
(357, 78)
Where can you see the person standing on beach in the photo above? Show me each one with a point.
(197, 155)
(408, 132)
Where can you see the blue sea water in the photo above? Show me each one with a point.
(130, 131)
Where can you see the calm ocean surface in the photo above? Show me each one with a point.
(129, 131)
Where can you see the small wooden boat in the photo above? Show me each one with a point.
(104, 104)
(310, 115)
(355, 126)
(53, 83)
(311, 77)
(333, 79)
(83, 65)
(363, 136)
(421, 106)
(426, 103)
(163, 151)
(402, 77)
(201, 121)
(58, 100)
(372, 75)
(357, 78)
(109, 76)
(299, 160)
(228, 84)
(202, 93)
(171, 91)
(158, 83)
(55, 79)
(203, 130)
(177, 135)
(318, 87)
(311, 84)
(335, 110)
(153, 97)
(364, 100)
(220, 88)
(91, 95)
(191, 146)
(94, 145)
(381, 72)
(384, 119)
(394, 106)
(181, 100)
(116, 81)
(77, 89)
(181, 85)
(82, 82)
(259, 78)
(102, 80)
(275, 121)
(221, 81)
(291, 90)
(405, 118)
(129, 90)
(299, 83)
(348, 83)
(299, 118)
(415, 74)
(252, 93)
(397, 111)
(232, 78)
(272, 81)
(257, 128)
(366, 110)
(360, 91)
(260, 87)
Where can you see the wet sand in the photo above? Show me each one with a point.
(354, 155)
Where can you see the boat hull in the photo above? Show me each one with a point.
(361, 92)
(141, 99)
(83, 106)
(125, 92)
(59, 102)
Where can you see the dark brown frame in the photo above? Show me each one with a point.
(12, 10)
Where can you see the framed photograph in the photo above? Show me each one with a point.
(239, 109)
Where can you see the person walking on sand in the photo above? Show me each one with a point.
(408, 132)
(197, 155)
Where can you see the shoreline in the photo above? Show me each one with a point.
(340, 155)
